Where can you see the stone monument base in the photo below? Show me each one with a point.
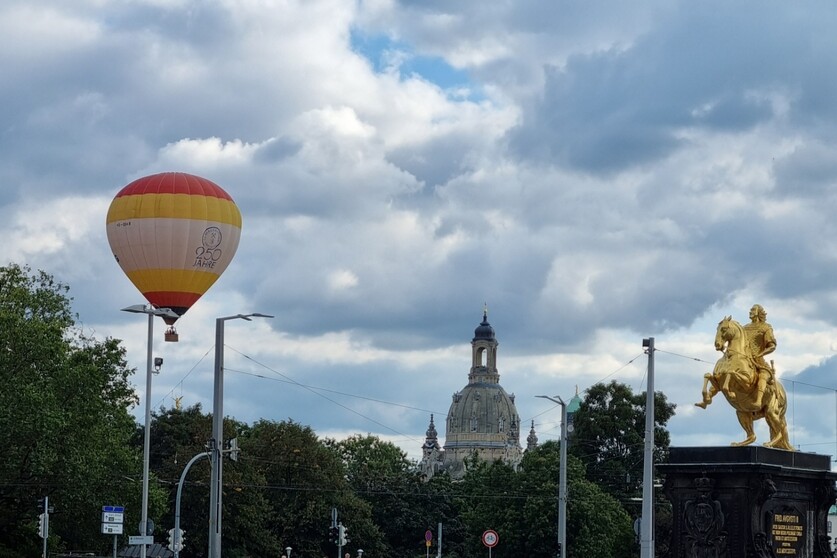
(748, 502)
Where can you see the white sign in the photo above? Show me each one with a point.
(139, 539)
(112, 517)
(112, 528)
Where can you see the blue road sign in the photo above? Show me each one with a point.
(116, 509)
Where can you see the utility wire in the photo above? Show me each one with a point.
(336, 392)
(318, 394)
(683, 356)
(180, 383)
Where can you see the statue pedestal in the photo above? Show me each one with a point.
(748, 502)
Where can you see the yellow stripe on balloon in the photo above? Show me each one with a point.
(174, 206)
(176, 280)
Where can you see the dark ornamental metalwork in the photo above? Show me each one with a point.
(705, 536)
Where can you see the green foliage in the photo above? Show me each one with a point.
(382, 476)
(522, 507)
(64, 421)
(609, 437)
(304, 481)
(177, 437)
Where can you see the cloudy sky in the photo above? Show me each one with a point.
(594, 172)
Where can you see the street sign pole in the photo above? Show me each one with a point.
(428, 540)
(334, 526)
(112, 518)
(45, 534)
(490, 538)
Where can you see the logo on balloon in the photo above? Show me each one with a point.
(209, 253)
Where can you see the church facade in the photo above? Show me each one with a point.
(482, 421)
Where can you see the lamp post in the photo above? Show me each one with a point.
(562, 480)
(217, 441)
(647, 525)
(146, 446)
(288, 551)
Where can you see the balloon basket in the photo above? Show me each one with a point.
(172, 336)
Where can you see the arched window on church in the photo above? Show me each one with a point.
(482, 357)
(502, 424)
(473, 423)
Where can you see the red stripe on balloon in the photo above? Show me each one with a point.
(174, 183)
(172, 299)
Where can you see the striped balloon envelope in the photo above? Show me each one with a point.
(173, 234)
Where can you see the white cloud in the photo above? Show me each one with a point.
(610, 175)
(206, 153)
(44, 231)
(37, 32)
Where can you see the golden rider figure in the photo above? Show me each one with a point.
(762, 342)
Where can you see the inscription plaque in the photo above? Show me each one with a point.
(788, 533)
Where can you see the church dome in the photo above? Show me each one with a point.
(482, 418)
(484, 330)
(482, 414)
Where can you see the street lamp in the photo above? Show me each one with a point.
(216, 443)
(152, 366)
(646, 541)
(288, 551)
(562, 482)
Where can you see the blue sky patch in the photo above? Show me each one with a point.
(378, 49)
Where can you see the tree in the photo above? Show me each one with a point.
(609, 436)
(179, 435)
(489, 499)
(609, 433)
(380, 474)
(522, 507)
(64, 421)
(304, 481)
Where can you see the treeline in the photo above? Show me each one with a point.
(67, 433)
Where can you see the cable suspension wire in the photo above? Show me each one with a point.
(684, 356)
(180, 383)
(318, 394)
(336, 392)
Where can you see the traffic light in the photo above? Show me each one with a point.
(333, 535)
(176, 540)
(343, 535)
(234, 449)
(41, 529)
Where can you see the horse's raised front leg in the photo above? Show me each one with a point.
(746, 421)
(708, 394)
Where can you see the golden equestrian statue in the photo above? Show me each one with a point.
(747, 380)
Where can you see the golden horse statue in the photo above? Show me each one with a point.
(736, 376)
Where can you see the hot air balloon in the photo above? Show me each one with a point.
(173, 234)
